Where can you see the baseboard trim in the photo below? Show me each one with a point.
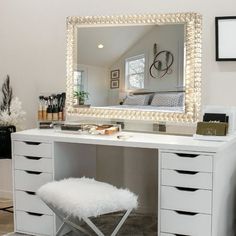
(5, 194)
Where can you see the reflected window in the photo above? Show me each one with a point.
(135, 72)
(79, 81)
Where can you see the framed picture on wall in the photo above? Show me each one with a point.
(225, 29)
(115, 74)
(114, 83)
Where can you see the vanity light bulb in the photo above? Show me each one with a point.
(100, 46)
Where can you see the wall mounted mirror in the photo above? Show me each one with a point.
(138, 67)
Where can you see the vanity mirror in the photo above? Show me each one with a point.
(136, 67)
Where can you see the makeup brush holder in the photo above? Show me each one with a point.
(51, 108)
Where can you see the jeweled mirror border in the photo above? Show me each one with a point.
(193, 22)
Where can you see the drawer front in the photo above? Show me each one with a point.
(183, 224)
(31, 181)
(189, 179)
(186, 200)
(33, 163)
(35, 224)
(189, 162)
(29, 201)
(35, 149)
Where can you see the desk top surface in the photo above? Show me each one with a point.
(134, 139)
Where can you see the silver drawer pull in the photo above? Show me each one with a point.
(32, 143)
(186, 213)
(186, 172)
(30, 193)
(187, 189)
(33, 158)
(34, 214)
(33, 172)
(187, 155)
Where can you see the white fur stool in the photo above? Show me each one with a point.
(82, 198)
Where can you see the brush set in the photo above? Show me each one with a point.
(52, 108)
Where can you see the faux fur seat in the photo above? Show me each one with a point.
(83, 198)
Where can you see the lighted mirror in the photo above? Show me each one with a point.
(134, 67)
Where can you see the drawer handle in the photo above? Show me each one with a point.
(33, 158)
(32, 143)
(185, 172)
(186, 213)
(187, 189)
(30, 193)
(33, 172)
(187, 155)
(182, 235)
(34, 214)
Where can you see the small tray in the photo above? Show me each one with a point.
(93, 129)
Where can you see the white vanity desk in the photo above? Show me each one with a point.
(197, 179)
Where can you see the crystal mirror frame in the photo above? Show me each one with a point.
(193, 34)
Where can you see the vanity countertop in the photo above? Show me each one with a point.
(135, 139)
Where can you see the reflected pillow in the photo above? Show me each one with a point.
(141, 100)
(181, 100)
(167, 100)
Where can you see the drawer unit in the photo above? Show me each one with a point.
(35, 149)
(33, 167)
(186, 199)
(181, 223)
(29, 201)
(37, 224)
(33, 163)
(188, 179)
(31, 180)
(188, 162)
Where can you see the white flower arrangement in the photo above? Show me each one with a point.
(16, 116)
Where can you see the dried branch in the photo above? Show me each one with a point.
(7, 96)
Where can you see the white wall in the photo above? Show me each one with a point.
(5, 178)
(33, 44)
(96, 84)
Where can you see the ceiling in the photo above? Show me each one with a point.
(116, 40)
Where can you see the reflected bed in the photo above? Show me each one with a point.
(179, 109)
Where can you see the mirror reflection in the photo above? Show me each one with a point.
(130, 67)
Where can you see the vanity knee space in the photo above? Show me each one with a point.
(185, 193)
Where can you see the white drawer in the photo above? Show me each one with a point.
(31, 181)
(198, 201)
(29, 201)
(33, 163)
(33, 223)
(183, 161)
(190, 179)
(183, 224)
(35, 149)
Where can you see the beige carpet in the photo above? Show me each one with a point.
(135, 225)
(6, 218)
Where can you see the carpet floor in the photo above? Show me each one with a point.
(136, 225)
(6, 218)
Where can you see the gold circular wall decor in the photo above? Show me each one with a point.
(192, 70)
